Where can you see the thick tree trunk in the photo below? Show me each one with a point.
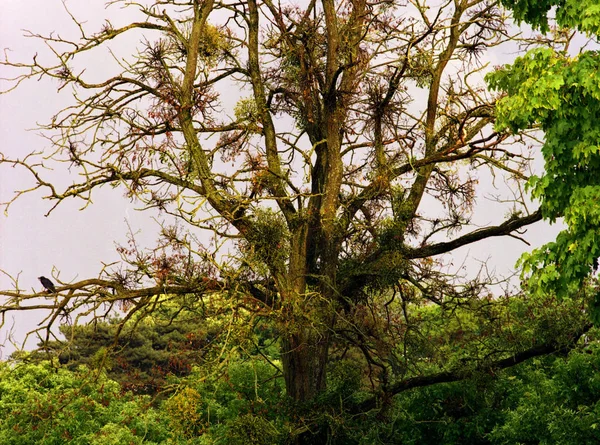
(304, 358)
(305, 341)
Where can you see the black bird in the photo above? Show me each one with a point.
(49, 285)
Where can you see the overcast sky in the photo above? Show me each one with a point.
(70, 241)
(75, 242)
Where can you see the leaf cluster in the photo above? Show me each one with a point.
(561, 96)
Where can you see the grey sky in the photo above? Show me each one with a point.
(71, 241)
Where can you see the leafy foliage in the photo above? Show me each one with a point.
(143, 354)
(561, 94)
(581, 15)
(558, 402)
(244, 402)
(40, 403)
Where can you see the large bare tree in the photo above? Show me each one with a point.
(320, 160)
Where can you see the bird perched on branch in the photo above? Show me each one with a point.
(49, 285)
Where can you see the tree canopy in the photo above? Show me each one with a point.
(553, 90)
(322, 205)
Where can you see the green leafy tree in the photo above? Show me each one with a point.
(557, 92)
(333, 196)
(550, 400)
(555, 403)
(42, 404)
(243, 405)
(142, 355)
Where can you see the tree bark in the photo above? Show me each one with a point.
(304, 358)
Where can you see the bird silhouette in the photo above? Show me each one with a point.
(49, 285)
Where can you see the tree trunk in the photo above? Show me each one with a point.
(304, 357)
